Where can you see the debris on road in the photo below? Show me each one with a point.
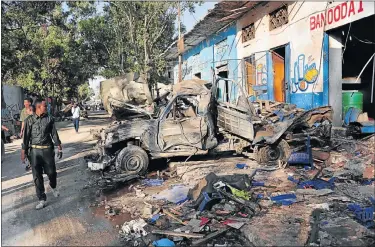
(296, 205)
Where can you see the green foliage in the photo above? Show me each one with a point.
(53, 50)
(85, 91)
(42, 50)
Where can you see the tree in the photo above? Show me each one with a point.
(133, 37)
(85, 92)
(51, 48)
(148, 28)
(43, 50)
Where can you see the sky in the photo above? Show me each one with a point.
(189, 20)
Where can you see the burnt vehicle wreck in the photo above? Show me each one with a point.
(199, 116)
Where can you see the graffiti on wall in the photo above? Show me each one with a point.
(261, 78)
(305, 74)
(186, 69)
(220, 50)
(10, 110)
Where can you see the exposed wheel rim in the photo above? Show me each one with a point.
(132, 163)
(273, 153)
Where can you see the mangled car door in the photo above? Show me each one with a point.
(235, 112)
(182, 127)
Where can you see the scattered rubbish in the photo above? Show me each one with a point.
(324, 206)
(154, 218)
(164, 242)
(241, 166)
(179, 234)
(316, 183)
(176, 194)
(147, 211)
(285, 200)
(208, 201)
(204, 221)
(364, 215)
(302, 158)
(134, 229)
(195, 224)
(209, 237)
(173, 217)
(256, 183)
(313, 192)
(152, 182)
(219, 209)
(234, 224)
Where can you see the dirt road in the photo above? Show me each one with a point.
(67, 220)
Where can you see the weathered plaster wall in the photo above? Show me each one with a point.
(305, 33)
(205, 56)
(13, 98)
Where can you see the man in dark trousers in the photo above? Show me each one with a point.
(39, 137)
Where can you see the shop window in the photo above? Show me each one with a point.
(279, 17)
(248, 33)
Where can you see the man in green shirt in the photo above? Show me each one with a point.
(24, 114)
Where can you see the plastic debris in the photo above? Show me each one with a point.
(208, 201)
(134, 228)
(165, 242)
(317, 183)
(285, 200)
(176, 194)
(241, 166)
(364, 215)
(154, 218)
(257, 183)
(152, 182)
(239, 193)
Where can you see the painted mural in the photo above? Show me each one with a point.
(261, 78)
(305, 74)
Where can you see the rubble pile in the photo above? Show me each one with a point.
(328, 203)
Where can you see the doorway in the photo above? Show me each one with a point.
(352, 70)
(278, 63)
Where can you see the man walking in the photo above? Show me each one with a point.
(76, 115)
(39, 136)
(24, 115)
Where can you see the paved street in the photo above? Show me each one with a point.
(67, 220)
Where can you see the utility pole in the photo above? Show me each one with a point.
(179, 38)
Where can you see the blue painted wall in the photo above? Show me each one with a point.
(205, 57)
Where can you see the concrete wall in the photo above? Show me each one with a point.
(13, 97)
(305, 33)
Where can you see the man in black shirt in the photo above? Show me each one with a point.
(39, 137)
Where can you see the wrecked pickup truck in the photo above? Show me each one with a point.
(197, 118)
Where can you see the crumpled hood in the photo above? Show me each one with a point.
(125, 130)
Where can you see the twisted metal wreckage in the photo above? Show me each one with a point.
(198, 118)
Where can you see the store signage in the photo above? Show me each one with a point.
(336, 14)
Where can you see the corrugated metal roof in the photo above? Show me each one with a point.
(217, 18)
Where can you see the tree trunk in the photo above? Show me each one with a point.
(146, 86)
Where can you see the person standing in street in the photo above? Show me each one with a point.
(75, 116)
(24, 115)
(39, 137)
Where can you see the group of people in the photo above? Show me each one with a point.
(39, 135)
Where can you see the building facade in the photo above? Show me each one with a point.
(289, 51)
(305, 53)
